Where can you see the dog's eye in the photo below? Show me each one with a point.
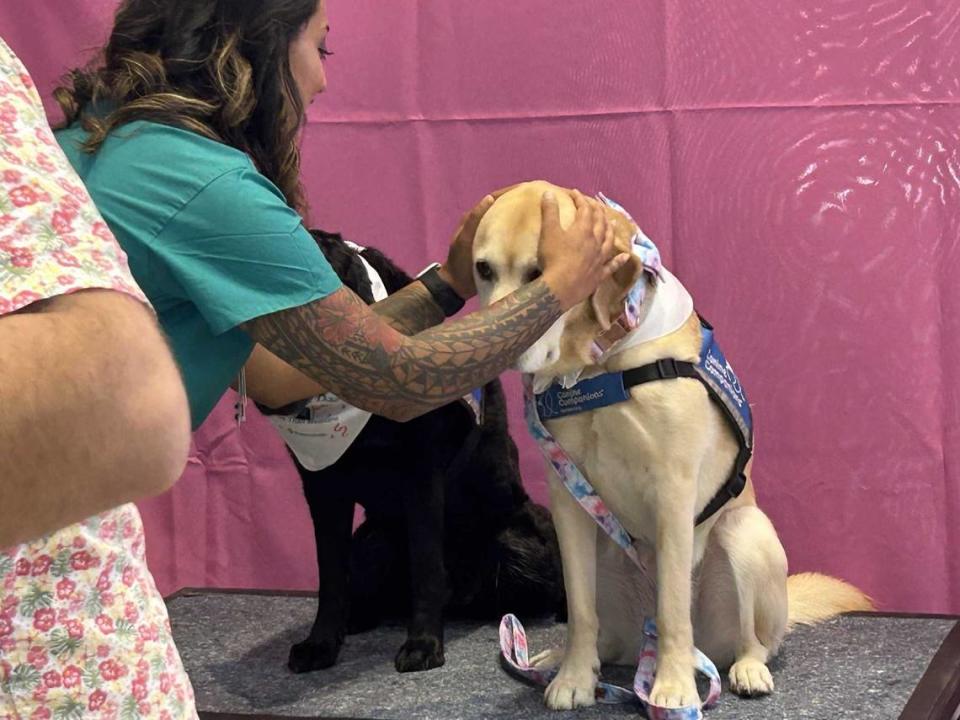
(533, 274)
(484, 270)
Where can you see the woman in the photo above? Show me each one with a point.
(186, 137)
(187, 140)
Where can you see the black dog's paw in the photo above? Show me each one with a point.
(423, 652)
(308, 655)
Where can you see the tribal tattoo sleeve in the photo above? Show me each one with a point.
(346, 347)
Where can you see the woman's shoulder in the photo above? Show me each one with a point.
(145, 174)
(149, 150)
(141, 133)
(167, 140)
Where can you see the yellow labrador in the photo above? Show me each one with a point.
(656, 460)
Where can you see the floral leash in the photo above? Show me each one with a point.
(513, 646)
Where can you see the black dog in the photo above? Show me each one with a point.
(449, 528)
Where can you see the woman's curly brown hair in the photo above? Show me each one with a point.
(217, 67)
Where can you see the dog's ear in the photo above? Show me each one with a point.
(607, 301)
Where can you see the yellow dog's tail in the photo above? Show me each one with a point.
(813, 598)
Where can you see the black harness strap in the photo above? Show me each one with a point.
(669, 369)
(666, 369)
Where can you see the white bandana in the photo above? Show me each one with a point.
(331, 425)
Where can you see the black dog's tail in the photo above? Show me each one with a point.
(529, 577)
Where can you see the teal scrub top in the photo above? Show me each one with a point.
(210, 240)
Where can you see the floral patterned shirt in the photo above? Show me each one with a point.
(83, 629)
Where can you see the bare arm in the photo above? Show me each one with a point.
(93, 412)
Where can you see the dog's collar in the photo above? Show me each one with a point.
(607, 340)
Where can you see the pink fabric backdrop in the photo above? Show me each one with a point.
(798, 164)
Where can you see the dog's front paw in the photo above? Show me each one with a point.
(423, 652)
(750, 677)
(309, 655)
(574, 686)
(674, 690)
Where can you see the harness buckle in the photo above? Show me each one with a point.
(667, 367)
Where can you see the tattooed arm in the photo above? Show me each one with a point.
(276, 384)
(340, 343)
(410, 310)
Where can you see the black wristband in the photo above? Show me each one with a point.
(443, 295)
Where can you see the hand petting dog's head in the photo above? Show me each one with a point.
(505, 258)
